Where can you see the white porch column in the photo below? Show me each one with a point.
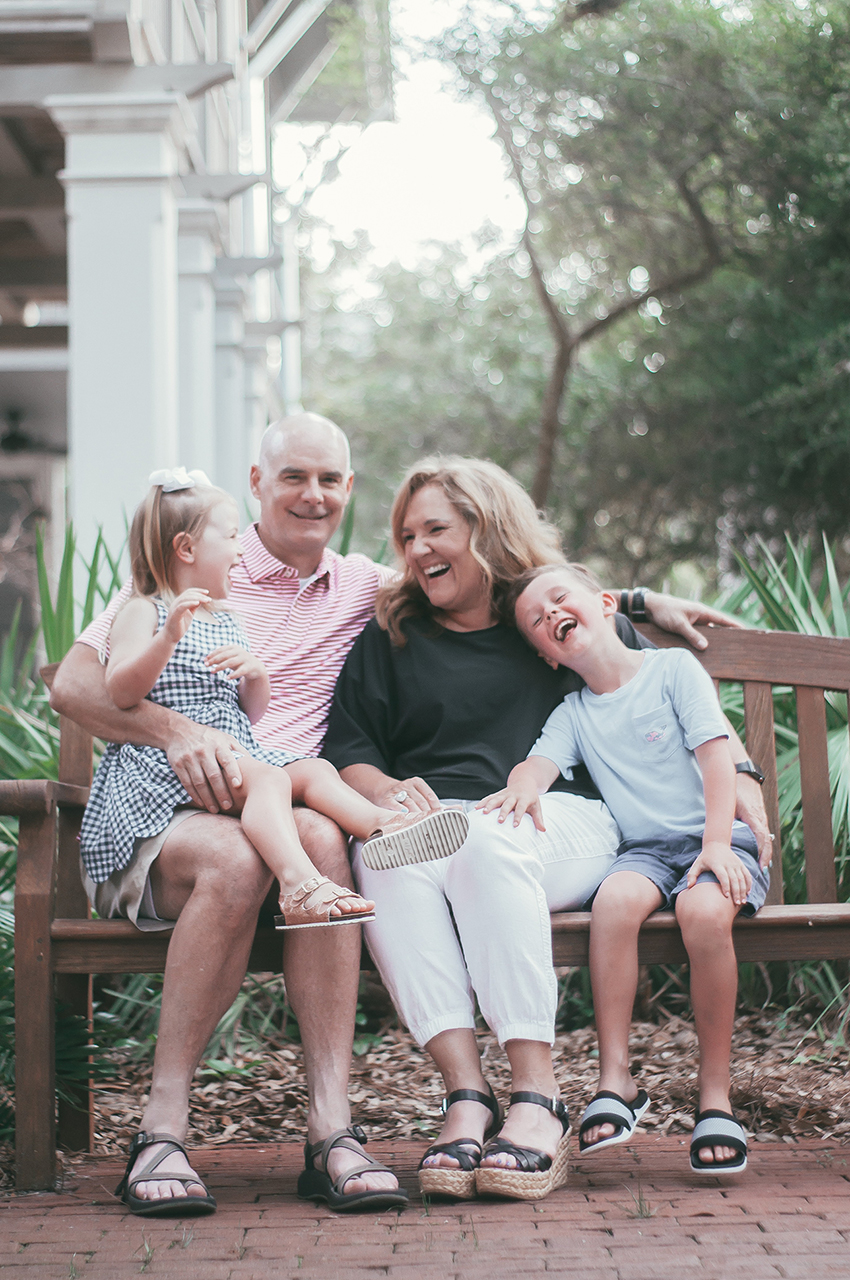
(121, 158)
(232, 464)
(256, 406)
(198, 237)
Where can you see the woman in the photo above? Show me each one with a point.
(437, 701)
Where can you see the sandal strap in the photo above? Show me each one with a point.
(353, 1139)
(555, 1105)
(142, 1140)
(467, 1160)
(488, 1100)
(529, 1159)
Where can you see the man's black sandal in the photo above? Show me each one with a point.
(459, 1183)
(536, 1173)
(317, 1184)
(175, 1206)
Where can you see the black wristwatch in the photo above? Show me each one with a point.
(747, 766)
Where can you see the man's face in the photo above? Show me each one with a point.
(303, 487)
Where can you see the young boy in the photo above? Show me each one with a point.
(649, 728)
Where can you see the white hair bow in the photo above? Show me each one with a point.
(172, 478)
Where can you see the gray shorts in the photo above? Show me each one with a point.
(666, 861)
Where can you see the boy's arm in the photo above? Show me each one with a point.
(526, 781)
(718, 779)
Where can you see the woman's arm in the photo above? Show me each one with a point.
(138, 653)
(681, 616)
(201, 757)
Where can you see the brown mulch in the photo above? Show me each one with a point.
(786, 1085)
(783, 1087)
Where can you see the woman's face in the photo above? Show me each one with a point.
(435, 539)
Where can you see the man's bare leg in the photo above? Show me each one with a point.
(212, 881)
(322, 970)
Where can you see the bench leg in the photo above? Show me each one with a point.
(76, 1116)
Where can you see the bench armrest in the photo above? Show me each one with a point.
(36, 795)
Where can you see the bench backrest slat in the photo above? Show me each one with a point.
(817, 806)
(761, 744)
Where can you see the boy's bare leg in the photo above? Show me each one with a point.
(622, 903)
(322, 969)
(212, 881)
(705, 918)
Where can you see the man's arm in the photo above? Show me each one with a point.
(201, 757)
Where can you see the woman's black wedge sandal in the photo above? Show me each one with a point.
(536, 1173)
(175, 1206)
(458, 1183)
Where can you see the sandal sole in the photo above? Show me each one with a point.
(617, 1137)
(457, 1184)
(515, 1184)
(314, 1185)
(437, 836)
(281, 926)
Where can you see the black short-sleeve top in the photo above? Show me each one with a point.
(457, 708)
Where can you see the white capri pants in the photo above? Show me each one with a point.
(500, 886)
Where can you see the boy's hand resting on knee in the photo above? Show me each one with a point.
(735, 880)
(522, 794)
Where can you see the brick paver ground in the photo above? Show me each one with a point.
(633, 1213)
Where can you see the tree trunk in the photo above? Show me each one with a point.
(550, 422)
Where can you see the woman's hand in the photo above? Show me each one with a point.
(241, 664)
(412, 794)
(735, 880)
(681, 616)
(182, 611)
(519, 798)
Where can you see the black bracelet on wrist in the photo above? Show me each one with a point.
(637, 612)
(624, 603)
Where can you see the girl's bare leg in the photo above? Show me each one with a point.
(705, 918)
(620, 907)
(316, 784)
(265, 799)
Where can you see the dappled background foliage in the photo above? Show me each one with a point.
(686, 168)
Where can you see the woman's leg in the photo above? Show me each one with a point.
(705, 918)
(527, 1124)
(456, 1057)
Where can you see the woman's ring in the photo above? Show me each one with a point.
(400, 796)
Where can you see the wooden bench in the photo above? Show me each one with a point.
(58, 946)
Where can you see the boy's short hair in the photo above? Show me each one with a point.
(578, 571)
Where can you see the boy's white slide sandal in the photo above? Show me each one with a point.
(606, 1107)
(718, 1129)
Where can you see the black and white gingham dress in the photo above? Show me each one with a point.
(135, 791)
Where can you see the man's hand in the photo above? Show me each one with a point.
(750, 809)
(518, 798)
(734, 878)
(204, 761)
(681, 616)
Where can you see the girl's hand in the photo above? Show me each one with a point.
(241, 664)
(182, 612)
(735, 880)
(518, 798)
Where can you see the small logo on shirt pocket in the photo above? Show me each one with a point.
(656, 735)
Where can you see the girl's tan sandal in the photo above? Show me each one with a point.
(445, 1180)
(536, 1173)
(309, 906)
(415, 838)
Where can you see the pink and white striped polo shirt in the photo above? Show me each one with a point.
(301, 634)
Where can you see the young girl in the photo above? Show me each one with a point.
(174, 643)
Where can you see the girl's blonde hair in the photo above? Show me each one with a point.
(158, 520)
(507, 533)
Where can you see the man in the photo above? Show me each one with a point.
(303, 607)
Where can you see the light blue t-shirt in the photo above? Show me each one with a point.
(638, 743)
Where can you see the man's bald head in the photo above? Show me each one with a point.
(290, 434)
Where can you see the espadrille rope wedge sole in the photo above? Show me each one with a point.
(536, 1173)
(416, 839)
(458, 1183)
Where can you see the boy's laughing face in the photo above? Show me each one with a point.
(560, 616)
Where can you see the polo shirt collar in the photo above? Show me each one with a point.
(260, 564)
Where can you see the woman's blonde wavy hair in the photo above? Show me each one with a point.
(507, 533)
